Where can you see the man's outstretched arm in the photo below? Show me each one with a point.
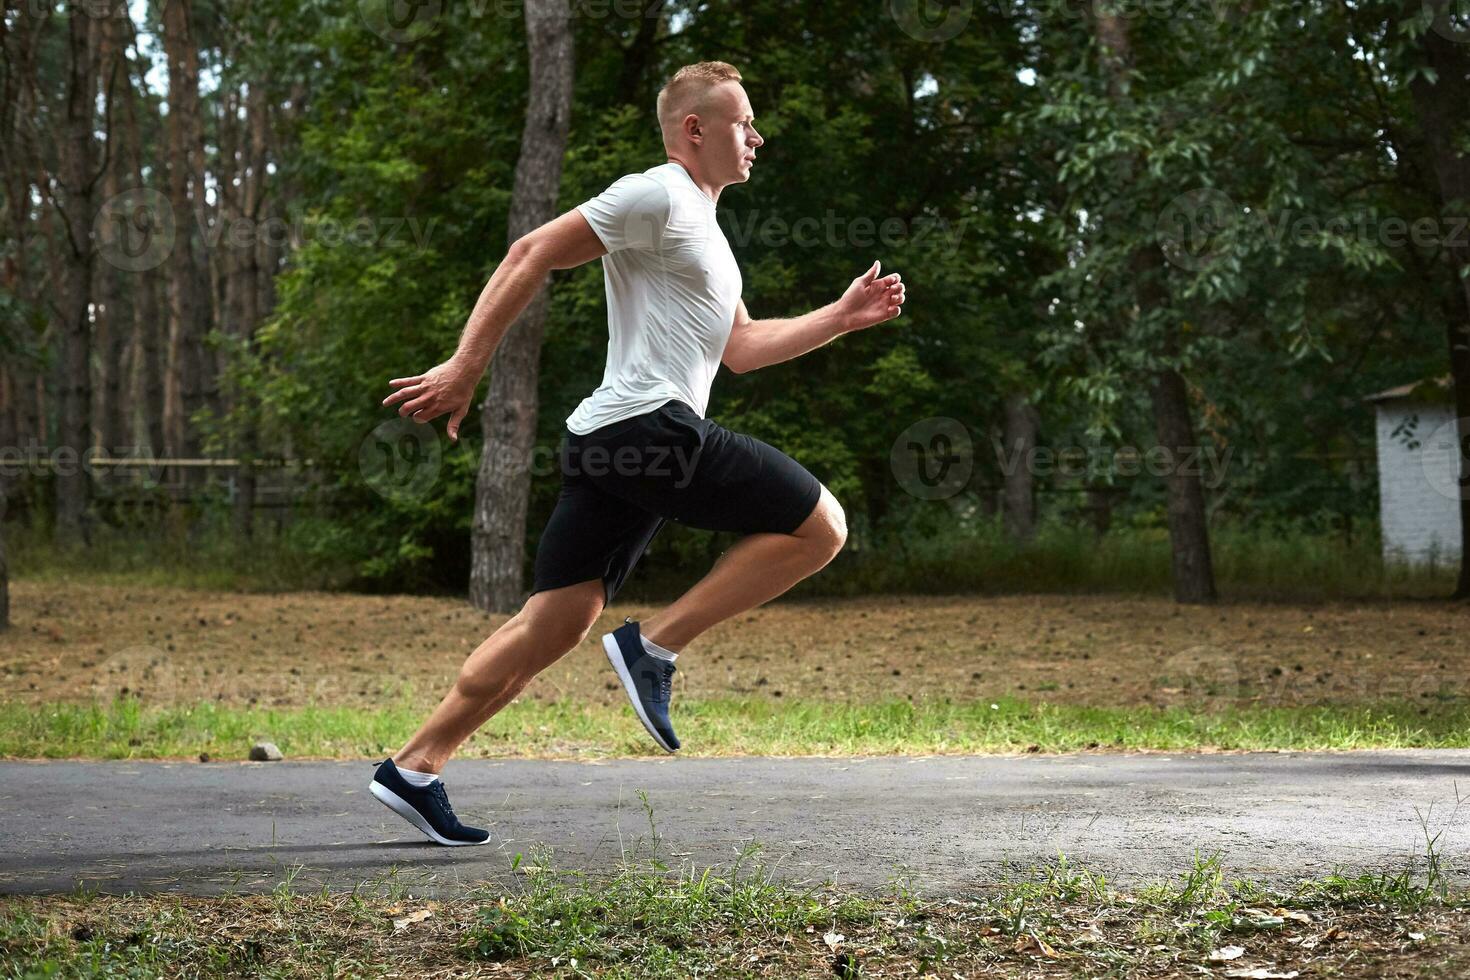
(869, 300)
(561, 243)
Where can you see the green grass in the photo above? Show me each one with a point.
(646, 920)
(126, 729)
(947, 555)
(1249, 563)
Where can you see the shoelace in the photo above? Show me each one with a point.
(666, 684)
(436, 789)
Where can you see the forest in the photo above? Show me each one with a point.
(1158, 254)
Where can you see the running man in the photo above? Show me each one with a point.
(639, 451)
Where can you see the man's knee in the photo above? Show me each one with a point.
(562, 618)
(826, 528)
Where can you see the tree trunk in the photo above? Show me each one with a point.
(146, 365)
(75, 369)
(508, 418)
(4, 565)
(248, 268)
(1021, 425)
(1189, 538)
(17, 164)
(189, 315)
(1193, 569)
(110, 340)
(1441, 105)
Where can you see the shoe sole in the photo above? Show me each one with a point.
(615, 657)
(400, 806)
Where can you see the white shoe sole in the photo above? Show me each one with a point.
(615, 657)
(400, 806)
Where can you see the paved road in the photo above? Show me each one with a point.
(949, 823)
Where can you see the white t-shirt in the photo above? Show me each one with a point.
(672, 287)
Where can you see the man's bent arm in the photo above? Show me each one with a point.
(757, 343)
(561, 243)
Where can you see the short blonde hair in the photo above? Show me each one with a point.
(685, 92)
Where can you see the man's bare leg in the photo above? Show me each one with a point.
(756, 569)
(549, 625)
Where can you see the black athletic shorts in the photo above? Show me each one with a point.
(620, 483)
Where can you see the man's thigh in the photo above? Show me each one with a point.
(740, 483)
(698, 473)
(591, 534)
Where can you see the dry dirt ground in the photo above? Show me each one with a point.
(80, 641)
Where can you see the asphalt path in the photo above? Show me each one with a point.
(942, 825)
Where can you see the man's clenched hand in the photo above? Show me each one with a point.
(871, 300)
(448, 387)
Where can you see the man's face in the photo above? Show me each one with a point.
(730, 139)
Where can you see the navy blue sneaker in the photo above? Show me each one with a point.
(647, 679)
(427, 808)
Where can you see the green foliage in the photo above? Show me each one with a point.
(1062, 234)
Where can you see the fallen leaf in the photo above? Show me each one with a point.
(1416, 936)
(1226, 953)
(833, 940)
(1260, 973)
(1027, 942)
(401, 924)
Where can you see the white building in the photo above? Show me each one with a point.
(1418, 472)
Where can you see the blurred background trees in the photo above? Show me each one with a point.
(1126, 228)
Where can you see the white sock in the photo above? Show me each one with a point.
(417, 779)
(654, 650)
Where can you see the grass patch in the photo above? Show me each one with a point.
(648, 921)
(941, 552)
(127, 729)
(978, 557)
